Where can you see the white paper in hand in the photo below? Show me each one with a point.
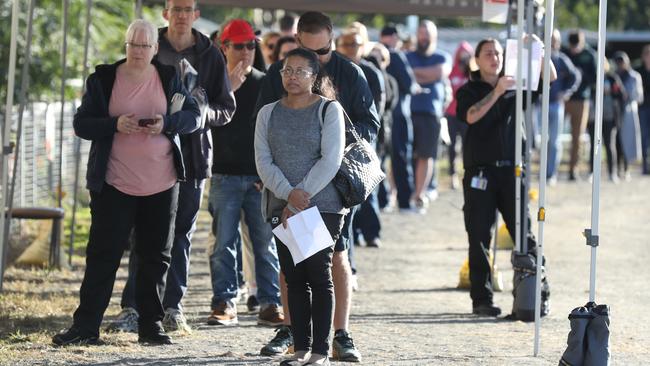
(177, 103)
(287, 239)
(305, 235)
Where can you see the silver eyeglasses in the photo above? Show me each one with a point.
(300, 73)
(140, 46)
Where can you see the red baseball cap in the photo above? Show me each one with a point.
(237, 31)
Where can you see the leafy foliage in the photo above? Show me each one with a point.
(621, 14)
(109, 20)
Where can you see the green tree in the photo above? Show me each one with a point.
(109, 20)
(621, 14)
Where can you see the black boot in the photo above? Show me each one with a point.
(74, 336)
(153, 334)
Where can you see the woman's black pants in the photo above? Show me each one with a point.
(311, 292)
(113, 215)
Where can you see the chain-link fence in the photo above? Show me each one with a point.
(37, 180)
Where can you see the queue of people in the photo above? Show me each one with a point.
(265, 121)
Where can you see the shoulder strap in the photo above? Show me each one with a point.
(324, 111)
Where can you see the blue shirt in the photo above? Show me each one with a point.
(433, 102)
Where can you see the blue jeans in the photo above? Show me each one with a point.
(555, 127)
(189, 203)
(229, 194)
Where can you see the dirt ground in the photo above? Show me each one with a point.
(407, 311)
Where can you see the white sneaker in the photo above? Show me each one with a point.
(174, 320)
(432, 194)
(126, 321)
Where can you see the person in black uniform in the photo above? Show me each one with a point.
(488, 107)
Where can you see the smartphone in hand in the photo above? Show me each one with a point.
(144, 122)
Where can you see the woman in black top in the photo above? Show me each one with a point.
(488, 107)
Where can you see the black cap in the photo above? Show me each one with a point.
(389, 30)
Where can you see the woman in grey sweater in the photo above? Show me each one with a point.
(298, 153)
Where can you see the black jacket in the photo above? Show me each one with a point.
(234, 153)
(351, 89)
(213, 77)
(92, 121)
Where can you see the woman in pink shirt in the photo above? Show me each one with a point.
(133, 112)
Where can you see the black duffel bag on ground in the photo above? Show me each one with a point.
(360, 170)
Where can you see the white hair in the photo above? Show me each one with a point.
(142, 25)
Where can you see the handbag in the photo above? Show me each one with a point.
(360, 170)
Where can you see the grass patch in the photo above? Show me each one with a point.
(81, 228)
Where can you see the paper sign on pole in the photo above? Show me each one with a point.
(495, 11)
(535, 64)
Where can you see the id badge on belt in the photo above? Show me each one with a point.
(479, 182)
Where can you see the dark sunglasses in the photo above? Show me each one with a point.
(240, 46)
(322, 51)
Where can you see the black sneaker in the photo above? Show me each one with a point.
(486, 310)
(153, 334)
(280, 344)
(343, 347)
(74, 336)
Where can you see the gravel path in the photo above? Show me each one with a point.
(408, 311)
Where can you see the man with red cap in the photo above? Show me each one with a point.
(235, 186)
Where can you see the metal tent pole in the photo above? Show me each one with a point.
(509, 20)
(64, 52)
(138, 9)
(77, 155)
(528, 126)
(55, 259)
(6, 145)
(541, 214)
(518, 124)
(592, 235)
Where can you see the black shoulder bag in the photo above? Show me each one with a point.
(360, 170)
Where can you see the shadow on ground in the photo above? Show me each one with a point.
(440, 318)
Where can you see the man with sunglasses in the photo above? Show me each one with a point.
(180, 41)
(315, 34)
(235, 187)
